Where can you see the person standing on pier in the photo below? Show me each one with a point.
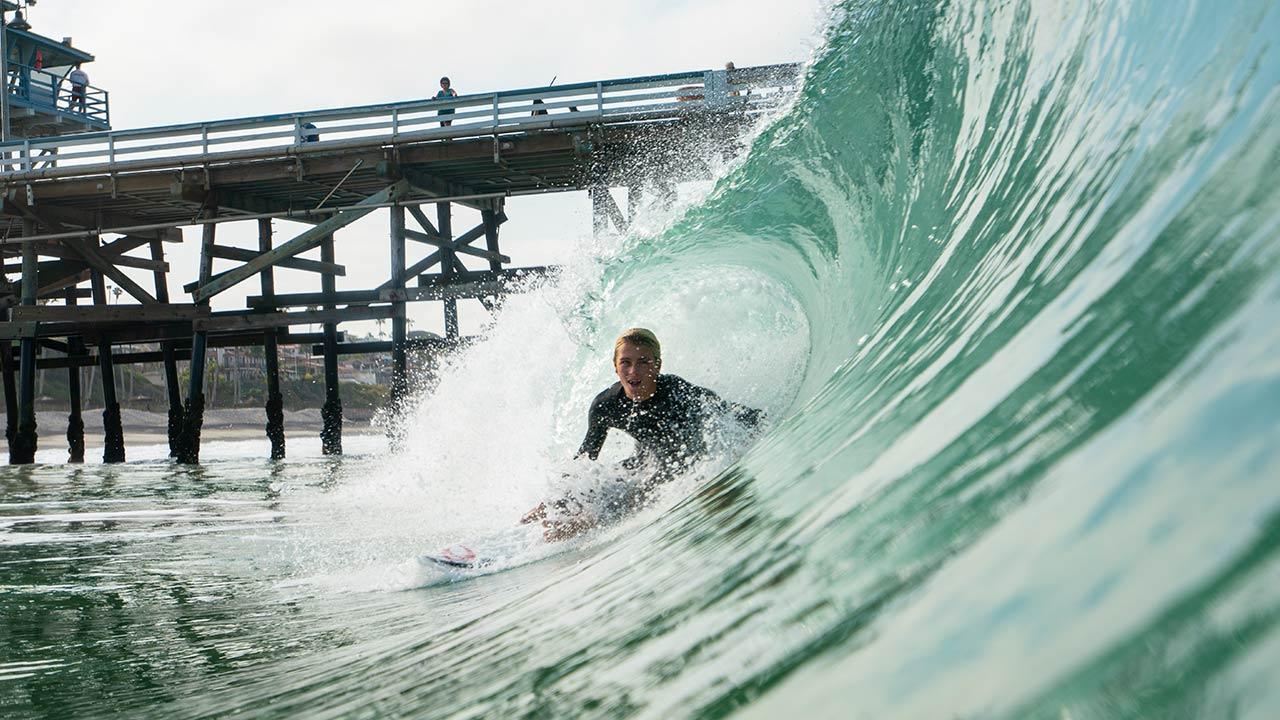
(729, 70)
(445, 92)
(79, 84)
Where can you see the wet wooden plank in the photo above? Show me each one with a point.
(293, 263)
(264, 321)
(464, 285)
(108, 313)
(339, 297)
(373, 347)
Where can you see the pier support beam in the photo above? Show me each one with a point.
(23, 447)
(113, 431)
(275, 401)
(10, 394)
(448, 261)
(271, 354)
(489, 219)
(399, 324)
(604, 210)
(193, 413)
(75, 423)
(173, 391)
(331, 413)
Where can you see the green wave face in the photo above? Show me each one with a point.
(1033, 446)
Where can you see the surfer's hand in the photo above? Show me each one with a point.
(538, 513)
(565, 529)
(565, 518)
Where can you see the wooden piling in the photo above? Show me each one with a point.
(10, 395)
(489, 218)
(173, 390)
(604, 210)
(399, 324)
(599, 212)
(331, 413)
(271, 354)
(448, 264)
(634, 197)
(23, 447)
(113, 431)
(193, 412)
(75, 422)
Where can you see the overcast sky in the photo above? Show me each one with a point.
(168, 61)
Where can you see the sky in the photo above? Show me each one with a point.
(167, 61)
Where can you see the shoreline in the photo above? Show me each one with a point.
(227, 433)
(142, 427)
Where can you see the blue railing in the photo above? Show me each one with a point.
(53, 93)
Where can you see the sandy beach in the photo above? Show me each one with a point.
(142, 427)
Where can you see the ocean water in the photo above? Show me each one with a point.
(1006, 278)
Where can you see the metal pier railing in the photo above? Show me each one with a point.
(629, 100)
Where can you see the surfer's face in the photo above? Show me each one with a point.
(638, 371)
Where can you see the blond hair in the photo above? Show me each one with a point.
(639, 336)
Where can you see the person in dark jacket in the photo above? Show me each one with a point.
(446, 91)
(665, 414)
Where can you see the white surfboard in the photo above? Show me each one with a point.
(491, 551)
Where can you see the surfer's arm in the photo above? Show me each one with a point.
(748, 416)
(534, 515)
(597, 429)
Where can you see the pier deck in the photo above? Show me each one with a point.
(498, 144)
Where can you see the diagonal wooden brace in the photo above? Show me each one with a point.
(243, 255)
(302, 243)
(91, 256)
(104, 258)
(415, 269)
(421, 217)
(611, 209)
(461, 244)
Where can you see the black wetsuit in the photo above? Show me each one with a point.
(668, 427)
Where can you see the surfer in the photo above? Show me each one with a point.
(666, 414)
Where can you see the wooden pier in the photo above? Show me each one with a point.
(78, 209)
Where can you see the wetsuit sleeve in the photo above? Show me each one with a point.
(748, 416)
(596, 431)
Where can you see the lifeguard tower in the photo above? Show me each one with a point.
(39, 99)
